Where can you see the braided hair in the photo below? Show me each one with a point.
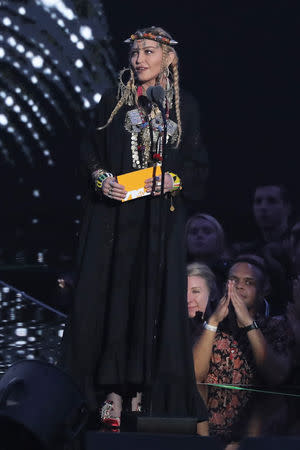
(128, 93)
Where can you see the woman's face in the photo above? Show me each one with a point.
(197, 295)
(146, 60)
(202, 239)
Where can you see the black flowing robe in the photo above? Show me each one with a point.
(129, 327)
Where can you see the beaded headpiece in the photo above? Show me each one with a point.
(154, 37)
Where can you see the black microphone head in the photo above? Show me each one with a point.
(149, 93)
(156, 94)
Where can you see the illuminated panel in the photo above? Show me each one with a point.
(28, 328)
(55, 61)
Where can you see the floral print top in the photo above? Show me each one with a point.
(232, 360)
(232, 363)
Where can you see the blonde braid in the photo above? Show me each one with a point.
(174, 65)
(164, 64)
(129, 88)
(177, 99)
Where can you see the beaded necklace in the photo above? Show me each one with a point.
(147, 134)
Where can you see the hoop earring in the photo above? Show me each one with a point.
(127, 91)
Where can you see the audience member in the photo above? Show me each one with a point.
(205, 242)
(271, 209)
(202, 295)
(247, 347)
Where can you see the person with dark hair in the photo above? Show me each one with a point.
(128, 329)
(239, 344)
(272, 209)
(206, 244)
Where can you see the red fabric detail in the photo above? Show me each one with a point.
(139, 91)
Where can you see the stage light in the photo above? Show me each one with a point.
(6, 21)
(3, 120)
(9, 101)
(12, 42)
(79, 63)
(34, 79)
(37, 62)
(97, 97)
(86, 32)
(21, 332)
(80, 45)
(74, 38)
(2, 52)
(20, 48)
(22, 11)
(86, 103)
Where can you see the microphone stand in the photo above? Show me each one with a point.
(161, 233)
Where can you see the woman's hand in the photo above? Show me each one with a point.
(220, 312)
(168, 185)
(112, 189)
(242, 314)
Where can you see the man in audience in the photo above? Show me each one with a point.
(271, 209)
(239, 344)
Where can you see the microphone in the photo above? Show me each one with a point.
(156, 94)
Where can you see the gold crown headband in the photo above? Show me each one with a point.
(154, 37)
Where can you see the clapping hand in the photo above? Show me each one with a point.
(242, 314)
(220, 312)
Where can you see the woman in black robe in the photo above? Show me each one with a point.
(128, 329)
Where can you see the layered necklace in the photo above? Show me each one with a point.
(147, 132)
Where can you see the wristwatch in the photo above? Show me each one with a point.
(253, 326)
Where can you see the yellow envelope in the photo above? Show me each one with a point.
(134, 182)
